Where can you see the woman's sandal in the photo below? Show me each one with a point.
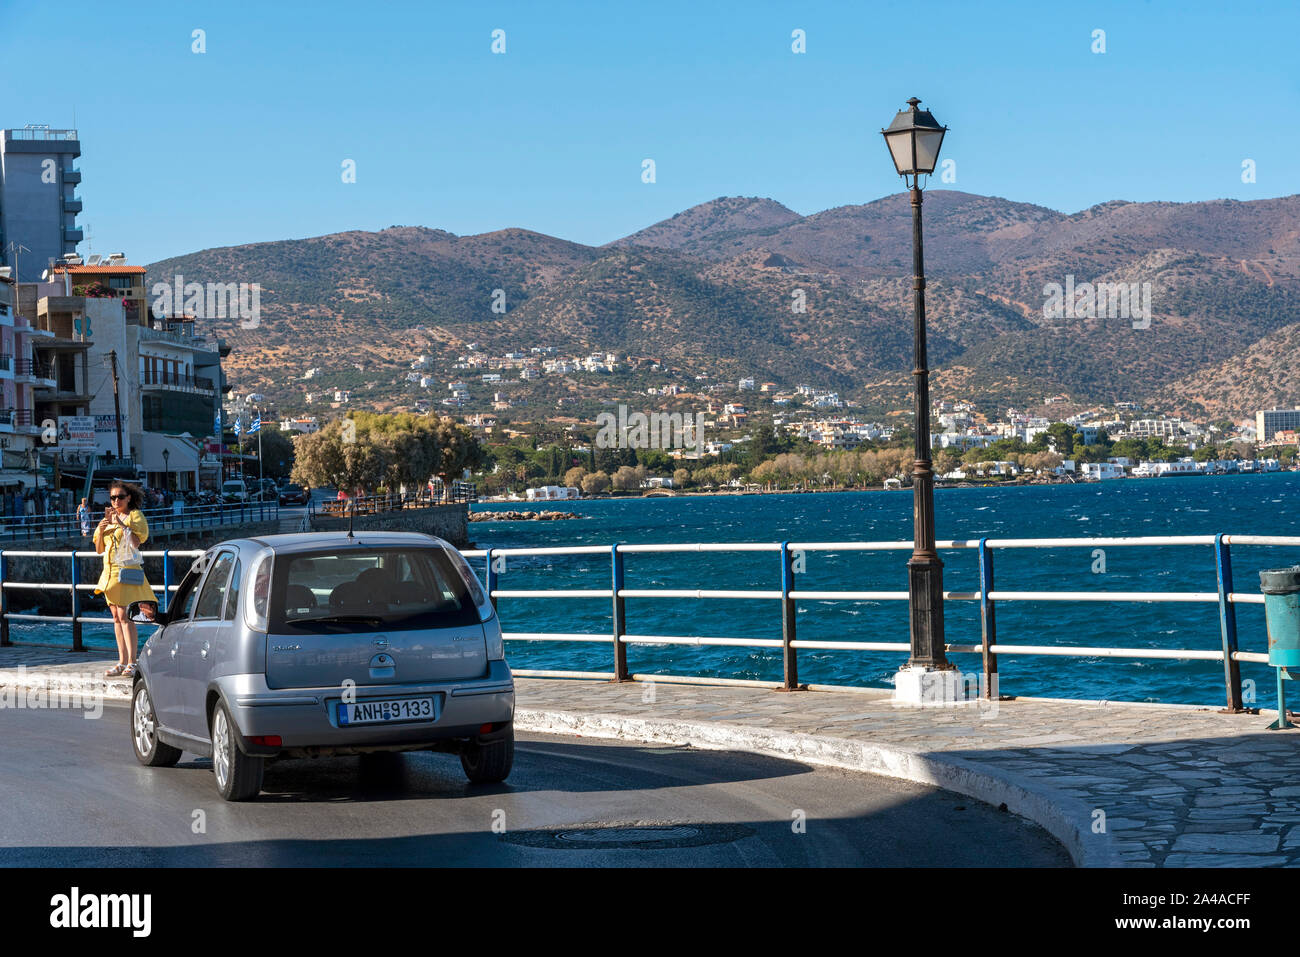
(114, 671)
(129, 670)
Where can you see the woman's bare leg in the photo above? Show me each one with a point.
(132, 637)
(119, 614)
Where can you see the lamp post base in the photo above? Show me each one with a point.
(921, 686)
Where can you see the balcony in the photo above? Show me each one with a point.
(177, 333)
(73, 235)
(24, 420)
(29, 370)
(72, 176)
(174, 380)
(72, 205)
(6, 364)
(6, 420)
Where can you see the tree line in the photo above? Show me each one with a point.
(376, 452)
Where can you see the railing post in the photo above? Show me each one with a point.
(789, 654)
(1228, 624)
(4, 602)
(491, 577)
(620, 614)
(167, 580)
(76, 608)
(988, 622)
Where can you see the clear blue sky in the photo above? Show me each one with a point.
(245, 142)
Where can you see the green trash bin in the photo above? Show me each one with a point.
(1281, 588)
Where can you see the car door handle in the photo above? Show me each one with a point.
(173, 651)
(203, 653)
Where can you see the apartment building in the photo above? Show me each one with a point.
(1268, 422)
(38, 201)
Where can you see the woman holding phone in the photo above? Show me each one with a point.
(118, 538)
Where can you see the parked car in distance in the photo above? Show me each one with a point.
(234, 490)
(292, 494)
(321, 643)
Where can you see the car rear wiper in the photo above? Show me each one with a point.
(339, 619)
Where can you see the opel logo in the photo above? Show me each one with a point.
(381, 642)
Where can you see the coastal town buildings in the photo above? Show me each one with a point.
(89, 372)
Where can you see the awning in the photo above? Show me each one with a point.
(183, 452)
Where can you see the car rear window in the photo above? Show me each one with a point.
(368, 589)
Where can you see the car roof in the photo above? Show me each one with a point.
(324, 541)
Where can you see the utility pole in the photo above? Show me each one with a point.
(16, 248)
(117, 407)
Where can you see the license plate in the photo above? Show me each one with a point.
(388, 710)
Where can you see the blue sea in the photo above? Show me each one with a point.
(1243, 504)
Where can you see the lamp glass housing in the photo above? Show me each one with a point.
(914, 140)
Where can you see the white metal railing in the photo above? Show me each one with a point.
(987, 596)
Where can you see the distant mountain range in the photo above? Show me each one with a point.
(711, 290)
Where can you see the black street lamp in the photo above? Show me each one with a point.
(167, 471)
(914, 139)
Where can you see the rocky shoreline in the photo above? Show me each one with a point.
(514, 515)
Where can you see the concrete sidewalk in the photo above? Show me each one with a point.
(1117, 784)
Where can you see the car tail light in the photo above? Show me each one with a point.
(266, 740)
(486, 729)
(477, 593)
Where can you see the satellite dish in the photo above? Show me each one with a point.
(45, 275)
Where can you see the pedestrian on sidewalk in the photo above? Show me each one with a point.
(83, 518)
(118, 538)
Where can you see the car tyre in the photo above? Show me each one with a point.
(488, 763)
(149, 750)
(238, 775)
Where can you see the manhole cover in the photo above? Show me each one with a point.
(635, 836)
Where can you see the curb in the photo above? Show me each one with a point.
(23, 678)
(1066, 818)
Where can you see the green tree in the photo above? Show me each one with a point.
(1062, 435)
(460, 450)
(277, 453)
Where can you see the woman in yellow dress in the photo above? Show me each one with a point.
(122, 527)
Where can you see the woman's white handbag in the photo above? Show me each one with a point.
(125, 551)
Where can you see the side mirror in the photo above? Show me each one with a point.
(146, 613)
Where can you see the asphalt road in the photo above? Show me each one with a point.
(74, 795)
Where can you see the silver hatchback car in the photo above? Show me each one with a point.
(323, 644)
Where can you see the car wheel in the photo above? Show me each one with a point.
(488, 763)
(149, 751)
(239, 776)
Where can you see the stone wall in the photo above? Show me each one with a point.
(446, 521)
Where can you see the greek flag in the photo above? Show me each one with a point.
(239, 425)
(216, 424)
(257, 423)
